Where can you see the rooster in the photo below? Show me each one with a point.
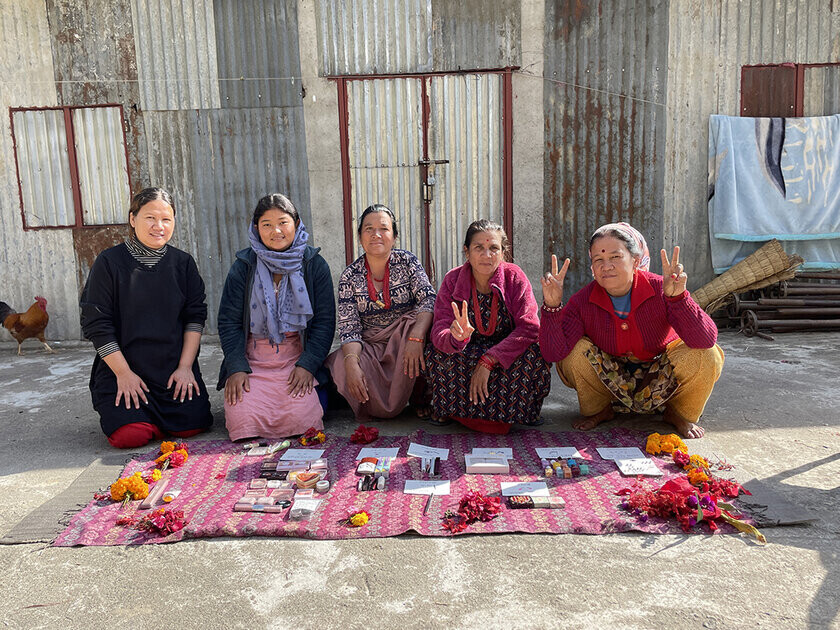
(27, 325)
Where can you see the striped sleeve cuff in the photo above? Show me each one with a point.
(194, 327)
(109, 348)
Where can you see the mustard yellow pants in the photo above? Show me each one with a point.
(696, 371)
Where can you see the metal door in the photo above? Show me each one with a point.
(434, 149)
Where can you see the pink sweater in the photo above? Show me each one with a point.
(654, 322)
(514, 290)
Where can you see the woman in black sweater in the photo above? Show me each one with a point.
(144, 308)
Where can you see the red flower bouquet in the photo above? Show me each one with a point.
(312, 436)
(473, 507)
(364, 435)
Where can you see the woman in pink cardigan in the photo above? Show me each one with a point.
(631, 340)
(484, 366)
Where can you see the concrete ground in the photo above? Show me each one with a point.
(774, 413)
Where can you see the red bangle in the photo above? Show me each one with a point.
(488, 363)
(417, 339)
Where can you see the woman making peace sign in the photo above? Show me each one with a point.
(631, 340)
(485, 369)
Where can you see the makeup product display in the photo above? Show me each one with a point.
(367, 466)
(430, 466)
(526, 502)
(322, 486)
(303, 509)
(247, 446)
(279, 446)
(170, 496)
(486, 465)
(155, 494)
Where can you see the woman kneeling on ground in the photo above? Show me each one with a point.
(276, 325)
(631, 340)
(485, 369)
(385, 303)
(144, 308)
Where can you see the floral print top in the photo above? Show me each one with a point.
(409, 287)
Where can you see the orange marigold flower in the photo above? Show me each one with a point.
(653, 446)
(696, 476)
(167, 447)
(698, 461)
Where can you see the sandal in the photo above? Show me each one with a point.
(438, 422)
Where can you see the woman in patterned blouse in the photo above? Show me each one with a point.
(385, 305)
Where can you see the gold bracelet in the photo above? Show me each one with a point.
(417, 339)
(350, 354)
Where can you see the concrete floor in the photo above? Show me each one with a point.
(774, 413)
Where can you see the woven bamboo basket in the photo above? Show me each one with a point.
(765, 266)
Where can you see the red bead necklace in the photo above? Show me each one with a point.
(386, 291)
(494, 311)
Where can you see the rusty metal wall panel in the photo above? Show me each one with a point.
(821, 91)
(176, 54)
(37, 262)
(95, 63)
(469, 34)
(258, 55)
(44, 168)
(100, 158)
(402, 36)
(605, 124)
(374, 36)
(217, 164)
(385, 145)
(710, 42)
(768, 91)
(466, 129)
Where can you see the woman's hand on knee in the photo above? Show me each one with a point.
(235, 387)
(413, 362)
(132, 388)
(185, 383)
(300, 382)
(479, 384)
(356, 383)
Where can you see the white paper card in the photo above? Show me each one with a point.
(558, 452)
(378, 453)
(421, 486)
(307, 504)
(507, 453)
(419, 450)
(527, 488)
(638, 466)
(620, 453)
(302, 454)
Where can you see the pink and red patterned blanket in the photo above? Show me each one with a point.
(218, 472)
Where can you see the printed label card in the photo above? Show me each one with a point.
(526, 488)
(558, 452)
(620, 453)
(378, 453)
(422, 486)
(500, 451)
(638, 466)
(302, 454)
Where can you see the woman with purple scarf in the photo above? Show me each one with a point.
(276, 325)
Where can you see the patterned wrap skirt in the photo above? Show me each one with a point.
(516, 394)
(638, 386)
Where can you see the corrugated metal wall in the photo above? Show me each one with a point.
(100, 159)
(385, 145)
(44, 168)
(35, 262)
(176, 54)
(604, 98)
(401, 36)
(465, 128)
(822, 91)
(710, 40)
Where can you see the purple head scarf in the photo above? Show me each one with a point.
(290, 309)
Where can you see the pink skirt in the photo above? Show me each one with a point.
(267, 410)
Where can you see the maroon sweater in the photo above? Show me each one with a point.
(515, 291)
(654, 322)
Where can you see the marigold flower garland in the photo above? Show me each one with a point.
(692, 498)
(130, 488)
(172, 454)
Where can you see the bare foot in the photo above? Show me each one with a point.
(685, 428)
(590, 422)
